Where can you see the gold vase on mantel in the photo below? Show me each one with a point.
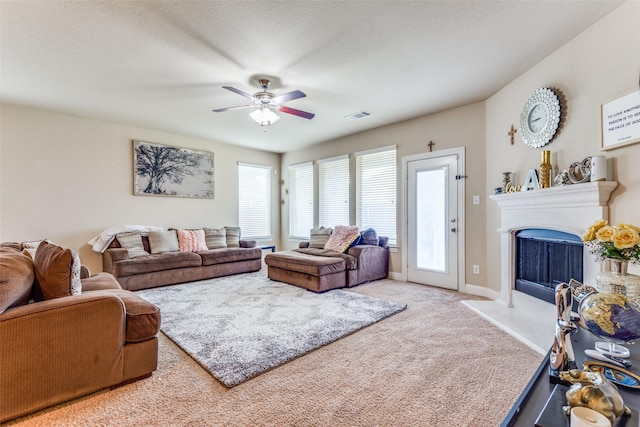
(545, 169)
(618, 280)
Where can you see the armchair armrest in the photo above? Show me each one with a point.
(248, 243)
(373, 262)
(59, 349)
(111, 256)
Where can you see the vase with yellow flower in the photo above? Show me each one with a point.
(616, 247)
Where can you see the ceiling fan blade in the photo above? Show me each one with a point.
(238, 91)
(288, 97)
(295, 112)
(239, 107)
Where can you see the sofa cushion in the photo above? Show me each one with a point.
(342, 237)
(143, 318)
(132, 242)
(318, 237)
(305, 263)
(215, 238)
(233, 236)
(156, 262)
(222, 256)
(351, 262)
(16, 279)
(191, 240)
(57, 270)
(369, 237)
(163, 241)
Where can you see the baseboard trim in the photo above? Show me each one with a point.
(482, 291)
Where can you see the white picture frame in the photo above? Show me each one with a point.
(621, 121)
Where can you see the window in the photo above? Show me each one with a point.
(376, 191)
(333, 177)
(254, 187)
(300, 200)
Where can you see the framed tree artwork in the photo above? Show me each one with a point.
(163, 170)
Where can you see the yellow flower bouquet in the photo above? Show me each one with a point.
(620, 242)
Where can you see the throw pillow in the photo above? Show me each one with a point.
(191, 240)
(369, 237)
(233, 236)
(57, 270)
(132, 242)
(215, 238)
(318, 237)
(16, 278)
(163, 241)
(31, 247)
(341, 238)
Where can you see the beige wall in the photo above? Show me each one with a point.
(598, 65)
(460, 127)
(68, 178)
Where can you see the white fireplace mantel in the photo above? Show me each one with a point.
(570, 208)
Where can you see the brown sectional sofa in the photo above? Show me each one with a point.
(319, 270)
(169, 268)
(87, 335)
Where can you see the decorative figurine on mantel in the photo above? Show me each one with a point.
(562, 357)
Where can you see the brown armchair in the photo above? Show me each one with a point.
(59, 349)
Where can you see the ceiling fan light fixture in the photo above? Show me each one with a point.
(264, 116)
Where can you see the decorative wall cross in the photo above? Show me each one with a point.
(431, 144)
(511, 133)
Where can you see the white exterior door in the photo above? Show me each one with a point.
(433, 222)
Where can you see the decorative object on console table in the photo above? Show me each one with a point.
(616, 246)
(612, 317)
(561, 356)
(545, 169)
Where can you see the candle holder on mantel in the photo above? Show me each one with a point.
(545, 169)
(506, 179)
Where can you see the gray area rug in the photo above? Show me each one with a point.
(240, 326)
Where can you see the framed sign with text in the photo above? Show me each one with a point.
(621, 121)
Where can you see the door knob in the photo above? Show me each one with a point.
(453, 229)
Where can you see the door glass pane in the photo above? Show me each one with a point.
(431, 219)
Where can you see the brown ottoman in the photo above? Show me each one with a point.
(315, 273)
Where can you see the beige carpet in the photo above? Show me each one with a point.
(434, 364)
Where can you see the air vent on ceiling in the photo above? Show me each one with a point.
(358, 115)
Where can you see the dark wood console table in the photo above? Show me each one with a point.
(534, 397)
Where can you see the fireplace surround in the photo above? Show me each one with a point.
(569, 209)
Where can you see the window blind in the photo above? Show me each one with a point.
(300, 200)
(254, 186)
(333, 201)
(376, 182)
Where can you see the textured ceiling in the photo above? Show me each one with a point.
(162, 64)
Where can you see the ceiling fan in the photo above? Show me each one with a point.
(265, 102)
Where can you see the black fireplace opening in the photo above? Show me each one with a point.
(545, 258)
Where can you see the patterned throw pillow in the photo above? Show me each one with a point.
(57, 270)
(342, 237)
(369, 237)
(318, 237)
(132, 242)
(233, 237)
(163, 241)
(191, 240)
(215, 238)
